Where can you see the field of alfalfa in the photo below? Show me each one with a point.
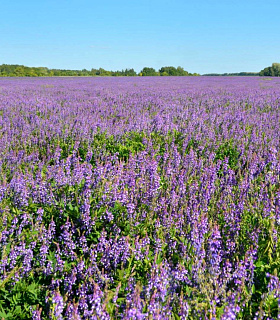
(140, 198)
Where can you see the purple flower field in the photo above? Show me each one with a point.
(140, 198)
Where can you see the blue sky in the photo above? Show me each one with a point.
(201, 36)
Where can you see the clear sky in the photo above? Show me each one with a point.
(201, 35)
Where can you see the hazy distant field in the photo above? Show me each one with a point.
(140, 198)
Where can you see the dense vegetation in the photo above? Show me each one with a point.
(273, 71)
(166, 71)
(242, 74)
(7, 70)
(139, 198)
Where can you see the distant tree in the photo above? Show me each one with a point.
(56, 73)
(130, 72)
(172, 71)
(93, 72)
(23, 71)
(181, 72)
(276, 69)
(150, 72)
(102, 72)
(273, 71)
(19, 71)
(243, 74)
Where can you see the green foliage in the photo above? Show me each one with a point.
(22, 71)
(172, 71)
(15, 70)
(16, 301)
(229, 151)
(234, 74)
(131, 144)
(273, 71)
(148, 72)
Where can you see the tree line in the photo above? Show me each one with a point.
(242, 74)
(273, 71)
(14, 70)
